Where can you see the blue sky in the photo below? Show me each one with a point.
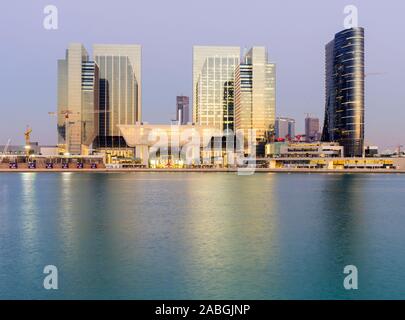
(294, 32)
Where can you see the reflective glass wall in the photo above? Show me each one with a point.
(344, 114)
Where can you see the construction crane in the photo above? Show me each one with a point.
(374, 74)
(27, 135)
(67, 114)
(5, 150)
(398, 148)
(6, 146)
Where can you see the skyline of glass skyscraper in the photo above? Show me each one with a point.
(255, 94)
(213, 79)
(120, 91)
(78, 85)
(344, 96)
(284, 128)
(230, 93)
(214, 92)
(234, 95)
(182, 109)
(312, 129)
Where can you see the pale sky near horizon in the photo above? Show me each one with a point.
(295, 33)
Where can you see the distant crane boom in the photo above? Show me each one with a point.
(5, 150)
(374, 74)
(6, 146)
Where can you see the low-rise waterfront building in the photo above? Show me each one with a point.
(371, 151)
(39, 161)
(308, 150)
(331, 163)
(163, 144)
(34, 148)
(320, 155)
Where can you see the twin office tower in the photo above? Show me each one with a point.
(233, 93)
(96, 95)
(230, 92)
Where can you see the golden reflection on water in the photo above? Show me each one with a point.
(29, 207)
(344, 210)
(202, 236)
(230, 216)
(66, 211)
(4, 207)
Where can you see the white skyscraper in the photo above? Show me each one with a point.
(213, 82)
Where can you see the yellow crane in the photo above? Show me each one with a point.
(27, 135)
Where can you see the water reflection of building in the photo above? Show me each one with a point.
(227, 231)
(342, 220)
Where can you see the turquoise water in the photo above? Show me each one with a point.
(201, 235)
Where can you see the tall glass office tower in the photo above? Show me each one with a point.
(214, 92)
(311, 129)
(90, 101)
(120, 91)
(285, 128)
(344, 86)
(213, 85)
(182, 109)
(78, 93)
(255, 94)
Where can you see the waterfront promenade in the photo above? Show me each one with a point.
(209, 170)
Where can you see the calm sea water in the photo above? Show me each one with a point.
(201, 235)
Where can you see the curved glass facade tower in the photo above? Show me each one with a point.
(344, 85)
